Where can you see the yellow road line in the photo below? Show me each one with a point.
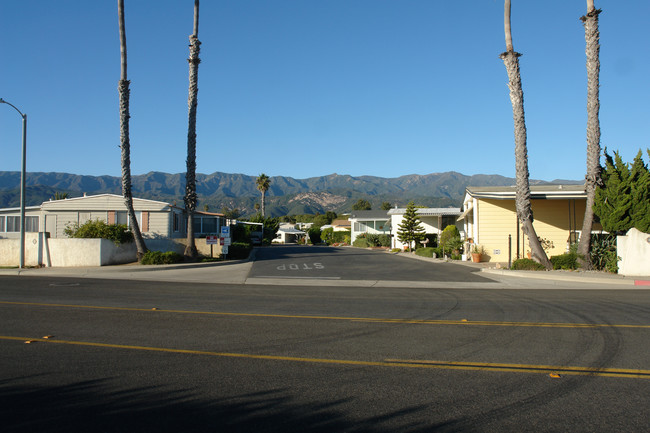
(354, 319)
(532, 368)
(421, 364)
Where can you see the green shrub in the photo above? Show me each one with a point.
(239, 250)
(565, 261)
(450, 238)
(160, 258)
(327, 235)
(527, 265)
(118, 233)
(604, 256)
(438, 252)
(361, 241)
(314, 235)
(395, 250)
(331, 237)
(377, 240)
(425, 252)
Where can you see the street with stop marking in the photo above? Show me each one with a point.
(300, 266)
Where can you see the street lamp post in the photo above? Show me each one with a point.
(21, 262)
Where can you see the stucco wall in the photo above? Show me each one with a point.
(634, 251)
(41, 251)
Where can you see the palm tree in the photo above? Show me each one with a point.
(263, 183)
(522, 198)
(592, 179)
(123, 89)
(190, 174)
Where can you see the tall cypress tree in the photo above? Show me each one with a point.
(613, 203)
(410, 229)
(640, 194)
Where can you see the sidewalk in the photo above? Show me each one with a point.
(587, 277)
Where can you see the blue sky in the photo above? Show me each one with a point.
(305, 88)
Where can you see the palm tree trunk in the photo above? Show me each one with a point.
(592, 180)
(124, 92)
(522, 199)
(263, 203)
(190, 175)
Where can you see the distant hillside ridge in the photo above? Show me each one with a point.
(286, 195)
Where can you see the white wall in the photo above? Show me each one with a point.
(634, 251)
(41, 251)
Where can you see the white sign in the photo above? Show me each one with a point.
(226, 241)
(212, 240)
(224, 249)
(225, 231)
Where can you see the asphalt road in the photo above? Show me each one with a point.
(144, 356)
(323, 263)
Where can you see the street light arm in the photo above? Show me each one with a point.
(2, 101)
(23, 172)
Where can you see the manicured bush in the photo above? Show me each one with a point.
(565, 261)
(160, 258)
(425, 252)
(527, 265)
(118, 233)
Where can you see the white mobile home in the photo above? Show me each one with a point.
(157, 219)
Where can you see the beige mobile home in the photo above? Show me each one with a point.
(490, 220)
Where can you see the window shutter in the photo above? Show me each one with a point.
(145, 222)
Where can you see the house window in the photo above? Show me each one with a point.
(210, 225)
(13, 224)
(448, 220)
(197, 224)
(122, 217)
(177, 222)
(31, 224)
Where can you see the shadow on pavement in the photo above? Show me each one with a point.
(93, 406)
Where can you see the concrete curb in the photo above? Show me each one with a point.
(561, 276)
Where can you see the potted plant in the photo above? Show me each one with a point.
(477, 252)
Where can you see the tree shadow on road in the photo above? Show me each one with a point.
(96, 406)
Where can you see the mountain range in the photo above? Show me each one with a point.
(286, 195)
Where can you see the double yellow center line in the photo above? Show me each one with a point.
(553, 371)
(343, 318)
